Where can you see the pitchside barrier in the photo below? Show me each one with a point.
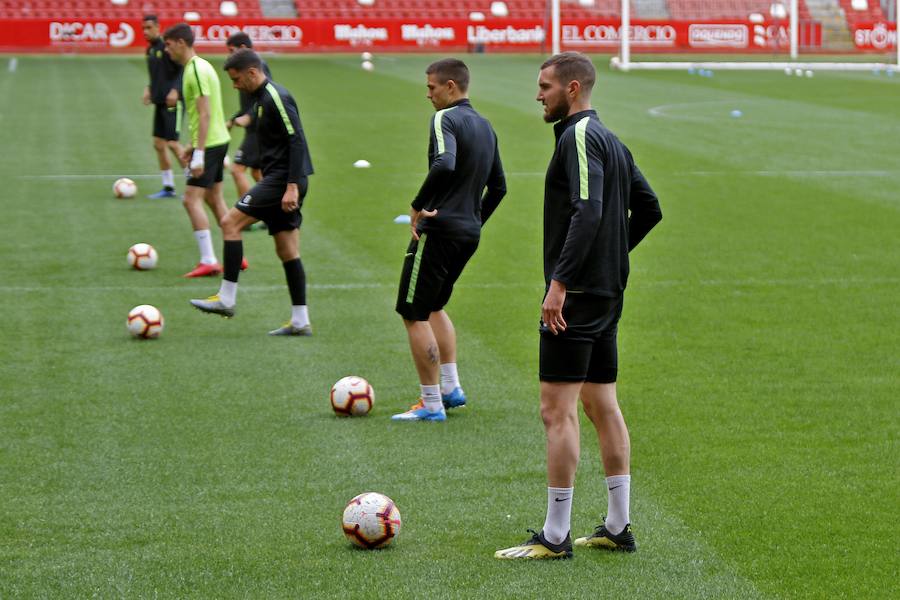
(430, 35)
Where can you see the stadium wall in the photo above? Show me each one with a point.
(403, 35)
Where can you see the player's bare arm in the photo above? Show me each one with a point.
(202, 130)
(290, 200)
(551, 311)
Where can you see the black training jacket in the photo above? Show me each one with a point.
(165, 73)
(463, 159)
(597, 207)
(283, 152)
(247, 101)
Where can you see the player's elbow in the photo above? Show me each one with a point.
(445, 163)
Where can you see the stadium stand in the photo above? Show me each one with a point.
(726, 9)
(872, 12)
(104, 9)
(460, 9)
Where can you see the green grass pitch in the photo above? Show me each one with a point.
(759, 350)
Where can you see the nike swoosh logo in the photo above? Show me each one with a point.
(561, 499)
(615, 488)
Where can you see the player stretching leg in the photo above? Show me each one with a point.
(276, 199)
(209, 139)
(597, 207)
(446, 219)
(162, 92)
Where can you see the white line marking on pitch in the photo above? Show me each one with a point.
(375, 285)
(13, 64)
(76, 177)
(800, 173)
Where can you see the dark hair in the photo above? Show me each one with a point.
(450, 68)
(153, 18)
(243, 59)
(236, 40)
(181, 31)
(573, 66)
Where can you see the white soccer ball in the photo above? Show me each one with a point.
(352, 397)
(124, 188)
(142, 257)
(371, 520)
(366, 56)
(367, 65)
(145, 322)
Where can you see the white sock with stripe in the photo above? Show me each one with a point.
(431, 395)
(204, 243)
(619, 490)
(449, 378)
(559, 514)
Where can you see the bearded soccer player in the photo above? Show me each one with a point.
(446, 219)
(209, 143)
(276, 199)
(247, 156)
(597, 207)
(163, 93)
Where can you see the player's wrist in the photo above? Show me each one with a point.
(197, 158)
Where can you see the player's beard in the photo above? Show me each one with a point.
(552, 114)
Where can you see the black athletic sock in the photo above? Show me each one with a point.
(234, 254)
(169, 188)
(296, 280)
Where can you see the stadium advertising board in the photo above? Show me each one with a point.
(878, 37)
(314, 35)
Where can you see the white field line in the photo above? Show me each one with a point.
(799, 173)
(13, 64)
(822, 282)
(79, 177)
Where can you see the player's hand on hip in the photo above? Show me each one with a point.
(291, 199)
(551, 311)
(417, 215)
(197, 163)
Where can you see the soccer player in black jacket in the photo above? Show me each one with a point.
(446, 219)
(597, 207)
(247, 156)
(163, 93)
(276, 199)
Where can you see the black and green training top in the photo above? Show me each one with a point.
(463, 160)
(165, 73)
(597, 207)
(283, 151)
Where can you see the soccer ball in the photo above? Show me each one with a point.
(352, 397)
(145, 322)
(371, 520)
(142, 257)
(124, 188)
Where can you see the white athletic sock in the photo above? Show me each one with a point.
(431, 395)
(449, 378)
(559, 514)
(168, 179)
(619, 488)
(204, 243)
(228, 292)
(299, 316)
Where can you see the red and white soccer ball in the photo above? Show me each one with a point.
(124, 188)
(371, 520)
(142, 257)
(145, 322)
(352, 397)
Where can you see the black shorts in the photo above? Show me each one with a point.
(432, 266)
(213, 165)
(248, 153)
(167, 121)
(263, 202)
(586, 350)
